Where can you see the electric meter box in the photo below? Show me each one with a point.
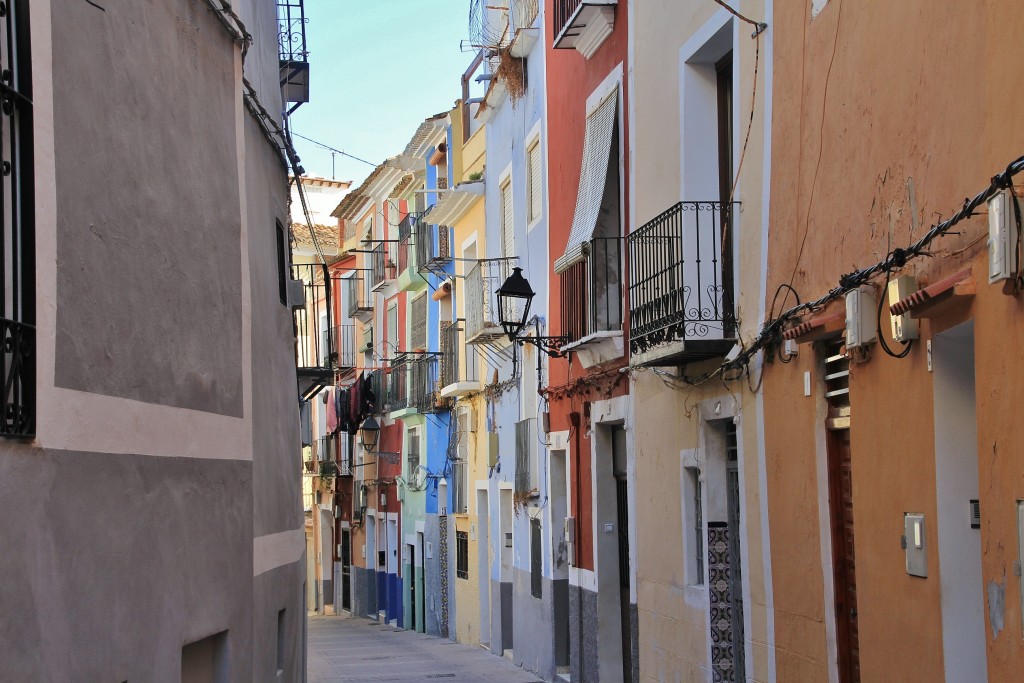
(861, 317)
(1002, 237)
(904, 328)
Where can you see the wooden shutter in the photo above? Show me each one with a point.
(536, 188)
(392, 349)
(507, 228)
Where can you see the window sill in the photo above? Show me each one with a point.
(597, 348)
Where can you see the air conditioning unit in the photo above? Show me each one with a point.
(861, 317)
(1002, 237)
(296, 294)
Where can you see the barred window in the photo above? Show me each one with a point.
(17, 250)
(462, 554)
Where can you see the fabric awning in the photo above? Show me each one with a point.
(597, 144)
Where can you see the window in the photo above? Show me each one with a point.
(280, 641)
(282, 264)
(462, 554)
(413, 452)
(536, 187)
(508, 234)
(696, 531)
(536, 580)
(460, 469)
(392, 350)
(526, 478)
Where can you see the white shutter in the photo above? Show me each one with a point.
(507, 229)
(392, 332)
(597, 144)
(536, 188)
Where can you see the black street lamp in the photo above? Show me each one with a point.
(514, 298)
(368, 434)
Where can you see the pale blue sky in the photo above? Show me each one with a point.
(377, 69)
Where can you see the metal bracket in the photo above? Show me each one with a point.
(552, 346)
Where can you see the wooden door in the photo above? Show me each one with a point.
(843, 560)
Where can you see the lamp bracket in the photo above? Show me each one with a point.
(550, 345)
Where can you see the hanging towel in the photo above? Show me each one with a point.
(332, 415)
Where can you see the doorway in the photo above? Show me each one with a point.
(619, 472)
(958, 505)
(840, 506)
(346, 569)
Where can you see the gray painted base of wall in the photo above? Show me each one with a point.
(432, 579)
(540, 625)
(501, 617)
(583, 649)
(584, 646)
(364, 592)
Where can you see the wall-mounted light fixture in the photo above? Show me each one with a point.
(514, 298)
(369, 433)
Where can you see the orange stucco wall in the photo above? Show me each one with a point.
(871, 99)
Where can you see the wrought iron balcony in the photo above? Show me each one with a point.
(344, 352)
(483, 322)
(397, 397)
(433, 247)
(591, 291)
(583, 24)
(292, 53)
(383, 268)
(314, 334)
(360, 298)
(405, 232)
(324, 448)
(423, 389)
(680, 292)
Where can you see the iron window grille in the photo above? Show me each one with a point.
(591, 291)
(462, 554)
(17, 250)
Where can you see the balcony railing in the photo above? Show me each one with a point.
(383, 269)
(449, 334)
(344, 346)
(314, 333)
(345, 446)
(360, 298)
(398, 384)
(423, 383)
(680, 287)
(292, 53)
(564, 9)
(483, 323)
(405, 231)
(324, 448)
(433, 246)
(591, 298)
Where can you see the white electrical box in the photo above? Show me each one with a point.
(861, 317)
(1002, 237)
(904, 328)
(915, 545)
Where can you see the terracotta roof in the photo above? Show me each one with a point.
(327, 235)
(402, 185)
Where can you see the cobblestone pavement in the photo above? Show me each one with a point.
(354, 650)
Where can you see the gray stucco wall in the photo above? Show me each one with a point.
(148, 216)
(583, 651)
(279, 589)
(534, 622)
(432, 579)
(156, 550)
(364, 592)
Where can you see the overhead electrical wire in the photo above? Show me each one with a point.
(772, 330)
(332, 149)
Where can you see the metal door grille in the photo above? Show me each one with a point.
(735, 563)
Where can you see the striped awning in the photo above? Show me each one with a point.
(597, 145)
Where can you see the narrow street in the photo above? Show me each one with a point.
(353, 650)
